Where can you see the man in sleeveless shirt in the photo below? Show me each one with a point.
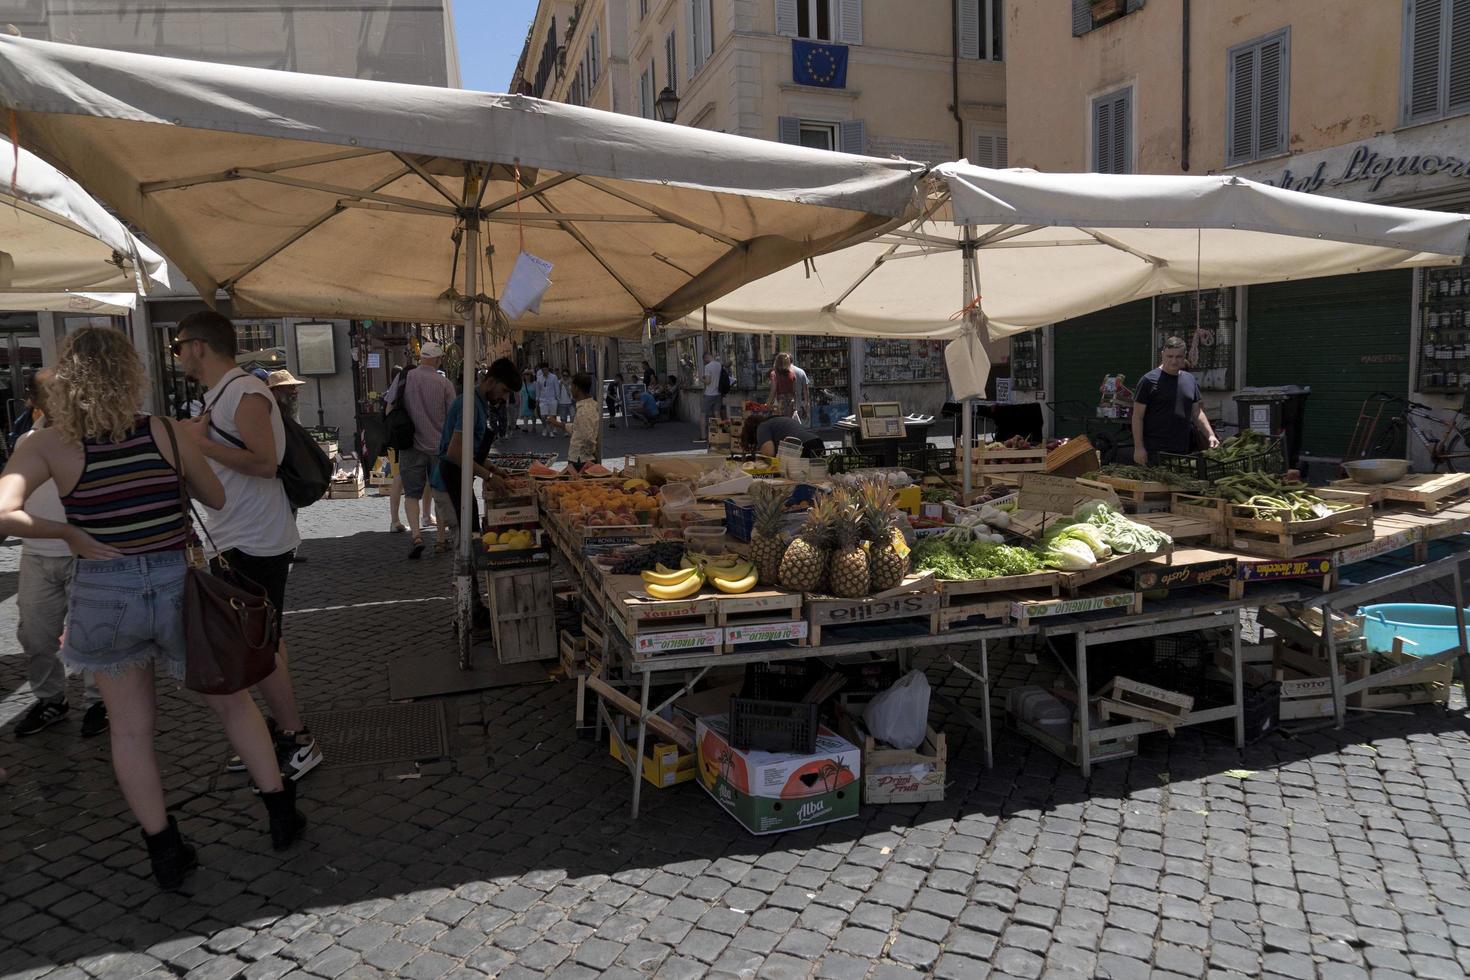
(241, 433)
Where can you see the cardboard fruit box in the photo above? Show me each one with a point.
(768, 792)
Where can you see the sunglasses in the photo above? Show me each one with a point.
(178, 345)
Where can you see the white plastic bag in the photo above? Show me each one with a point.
(900, 714)
(529, 279)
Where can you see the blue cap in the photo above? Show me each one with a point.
(261, 373)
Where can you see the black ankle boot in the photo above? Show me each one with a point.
(172, 858)
(287, 822)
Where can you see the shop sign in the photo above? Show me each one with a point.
(1048, 494)
(676, 640)
(1069, 607)
(1266, 571)
(1419, 159)
(1151, 577)
(864, 611)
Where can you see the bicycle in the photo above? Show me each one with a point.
(1449, 449)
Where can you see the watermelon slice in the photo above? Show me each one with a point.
(596, 470)
(541, 471)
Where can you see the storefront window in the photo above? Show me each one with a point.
(1208, 333)
(257, 335)
(71, 324)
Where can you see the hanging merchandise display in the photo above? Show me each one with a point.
(828, 369)
(897, 361)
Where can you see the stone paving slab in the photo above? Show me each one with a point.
(1331, 854)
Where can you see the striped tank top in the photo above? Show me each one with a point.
(128, 495)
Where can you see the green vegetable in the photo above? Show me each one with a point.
(1125, 537)
(1069, 555)
(1149, 474)
(968, 561)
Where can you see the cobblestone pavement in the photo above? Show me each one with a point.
(1330, 855)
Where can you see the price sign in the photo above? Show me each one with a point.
(1048, 494)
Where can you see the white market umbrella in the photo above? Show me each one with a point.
(60, 250)
(1040, 248)
(310, 195)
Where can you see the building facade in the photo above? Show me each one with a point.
(1367, 100)
(925, 80)
(387, 40)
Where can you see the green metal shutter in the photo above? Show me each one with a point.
(1111, 341)
(1346, 336)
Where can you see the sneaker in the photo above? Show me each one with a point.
(43, 715)
(95, 722)
(237, 764)
(298, 753)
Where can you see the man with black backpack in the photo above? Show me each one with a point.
(248, 444)
(716, 386)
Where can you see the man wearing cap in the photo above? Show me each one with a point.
(427, 395)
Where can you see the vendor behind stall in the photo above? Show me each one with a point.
(1167, 410)
(764, 434)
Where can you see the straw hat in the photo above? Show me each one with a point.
(282, 378)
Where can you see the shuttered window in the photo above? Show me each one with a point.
(1257, 93)
(816, 134)
(701, 34)
(1082, 14)
(1436, 59)
(671, 62)
(646, 94)
(840, 21)
(1112, 132)
(979, 28)
(989, 150)
(853, 136)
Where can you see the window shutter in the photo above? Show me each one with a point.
(969, 28)
(1458, 76)
(850, 21)
(786, 17)
(696, 59)
(1002, 152)
(1240, 117)
(990, 151)
(1133, 5)
(788, 130)
(1425, 20)
(1272, 74)
(1081, 17)
(852, 137)
(1102, 137)
(997, 33)
(1122, 132)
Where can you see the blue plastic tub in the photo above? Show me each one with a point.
(1426, 629)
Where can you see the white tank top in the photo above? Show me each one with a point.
(256, 517)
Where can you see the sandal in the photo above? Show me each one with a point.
(417, 549)
(440, 547)
(398, 528)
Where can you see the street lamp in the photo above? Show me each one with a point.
(667, 105)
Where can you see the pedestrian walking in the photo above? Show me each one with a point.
(46, 566)
(395, 490)
(546, 396)
(242, 436)
(528, 401)
(564, 399)
(426, 394)
(613, 399)
(128, 532)
(585, 428)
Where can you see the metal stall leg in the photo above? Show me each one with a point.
(1339, 699)
(1084, 723)
(642, 738)
(985, 704)
(1239, 680)
(1464, 657)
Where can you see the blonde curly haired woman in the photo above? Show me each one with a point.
(119, 479)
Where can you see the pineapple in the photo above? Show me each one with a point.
(804, 565)
(766, 545)
(847, 570)
(886, 567)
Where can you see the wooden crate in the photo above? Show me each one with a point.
(972, 602)
(1429, 492)
(915, 604)
(1180, 527)
(791, 632)
(572, 650)
(1145, 702)
(1407, 682)
(1191, 568)
(763, 615)
(1388, 536)
(1207, 510)
(1025, 611)
(901, 787)
(1073, 582)
(997, 462)
(635, 615)
(1136, 492)
(347, 489)
(1106, 747)
(522, 614)
(1286, 538)
(1305, 698)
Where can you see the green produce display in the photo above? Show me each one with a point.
(936, 495)
(967, 561)
(1275, 499)
(1245, 443)
(1094, 533)
(1146, 474)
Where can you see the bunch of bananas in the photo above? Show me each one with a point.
(728, 573)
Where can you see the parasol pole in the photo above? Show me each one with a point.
(464, 560)
(967, 249)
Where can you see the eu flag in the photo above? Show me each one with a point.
(815, 63)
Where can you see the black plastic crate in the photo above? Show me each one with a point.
(773, 726)
(1181, 661)
(927, 459)
(846, 462)
(1272, 459)
(1262, 709)
(780, 681)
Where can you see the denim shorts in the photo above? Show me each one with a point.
(126, 612)
(414, 468)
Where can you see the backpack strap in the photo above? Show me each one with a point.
(237, 443)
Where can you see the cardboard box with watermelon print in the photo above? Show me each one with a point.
(768, 792)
